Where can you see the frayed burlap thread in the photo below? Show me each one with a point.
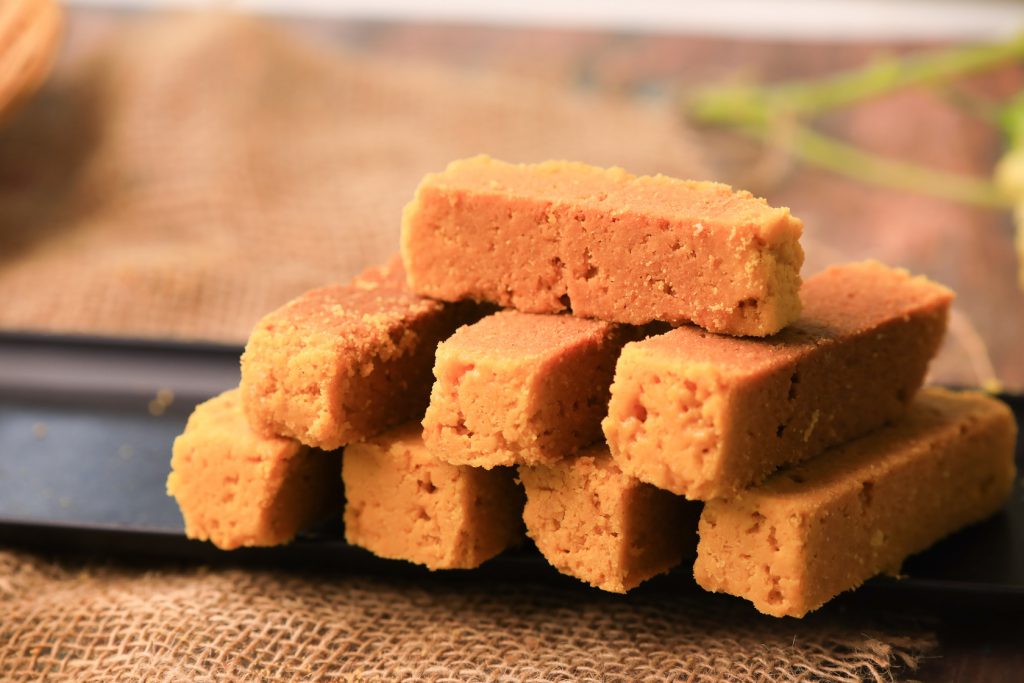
(110, 623)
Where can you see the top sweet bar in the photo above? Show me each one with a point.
(556, 236)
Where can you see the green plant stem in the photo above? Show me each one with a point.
(761, 111)
(834, 155)
(758, 104)
(887, 75)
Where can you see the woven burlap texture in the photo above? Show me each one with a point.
(119, 624)
(183, 177)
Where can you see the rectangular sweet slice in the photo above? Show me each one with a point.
(593, 522)
(555, 236)
(403, 503)
(345, 362)
(520, 388)
(237, 488)
(705, 415)
(826, 526)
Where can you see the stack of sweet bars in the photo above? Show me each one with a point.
(657, 348)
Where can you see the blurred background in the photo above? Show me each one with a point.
(184, 168)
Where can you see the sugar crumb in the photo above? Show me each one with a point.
(163, 400)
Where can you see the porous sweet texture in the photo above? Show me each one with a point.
(236, 488)
(544, 238)
(519, 388)
(345, 362)
(705, 415)
(826, 526)
(604, 527)
(403, 503)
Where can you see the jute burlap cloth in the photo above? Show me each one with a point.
(107, 623)
(181, 177)
(184, 177)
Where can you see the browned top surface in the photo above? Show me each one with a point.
(697, 203)
(838, 302)
(374, 303)
(513, 335)
(937, 415)
(854, 297)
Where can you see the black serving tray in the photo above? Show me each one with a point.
(84, 455)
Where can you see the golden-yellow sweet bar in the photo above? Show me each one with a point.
(404, 503)
(345, 362)
(591, 521)
(555, 236)
(237, 488)
(823, 527)
(520, 388)
(706, 415)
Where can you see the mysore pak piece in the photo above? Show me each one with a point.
(403, 503)
(237, 488)
(520, 388)
(827, 525)
(557, 236)
(345, 362)
(705, 415)
(591, 521)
